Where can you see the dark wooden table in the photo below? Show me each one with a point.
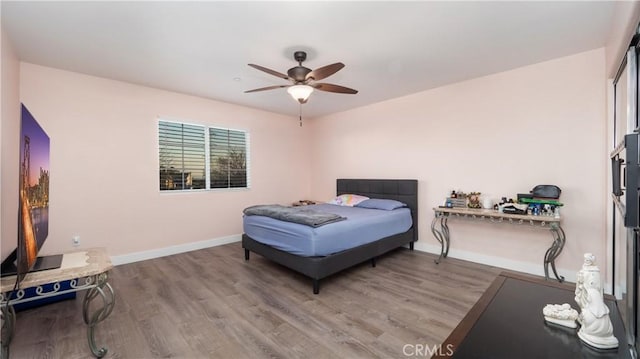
(507, 322)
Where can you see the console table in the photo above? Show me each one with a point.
(440, 230)
(507, 323)
(86, 270)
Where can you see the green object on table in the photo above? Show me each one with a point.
(541, 201)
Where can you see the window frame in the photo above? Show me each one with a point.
(207, 160)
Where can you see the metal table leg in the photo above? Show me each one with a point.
(104, 290)
(441, 234)
(554, 251)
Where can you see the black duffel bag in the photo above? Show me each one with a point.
(546, 191)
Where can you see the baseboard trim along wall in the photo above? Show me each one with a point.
(526, 267)
(167, 251)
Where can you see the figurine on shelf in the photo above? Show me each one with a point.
(474, 200)
(561, 314)
(595, 325)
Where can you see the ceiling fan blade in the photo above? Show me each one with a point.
(270, 72)
(334, 88)
(267, 88)
(325, 71)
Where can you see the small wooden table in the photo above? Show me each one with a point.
(440, 230)
(86, 270)
(507, 323)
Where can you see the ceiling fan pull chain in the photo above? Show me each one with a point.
(300, 115)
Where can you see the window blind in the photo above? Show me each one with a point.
(182, 156)
(199, 157)
(228, 154)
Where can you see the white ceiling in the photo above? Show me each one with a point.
(390, 49)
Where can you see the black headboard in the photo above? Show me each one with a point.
(403, 190)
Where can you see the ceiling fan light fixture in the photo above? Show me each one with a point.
(300, 93)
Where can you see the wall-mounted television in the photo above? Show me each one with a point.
(625, 168)
(33, 202)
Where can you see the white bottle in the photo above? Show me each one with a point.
(487, 203)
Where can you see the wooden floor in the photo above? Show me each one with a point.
(211, 303)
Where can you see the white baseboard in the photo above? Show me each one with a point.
(526, 267)
(167, 251)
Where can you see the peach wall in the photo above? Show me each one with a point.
(9, 150)
(104, 163)
(500, 135)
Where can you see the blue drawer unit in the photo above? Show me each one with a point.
(46, 288)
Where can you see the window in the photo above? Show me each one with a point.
(199, 157)
(182, 156)
(227, 158)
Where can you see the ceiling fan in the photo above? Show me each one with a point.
(304, 79)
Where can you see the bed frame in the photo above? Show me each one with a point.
(316, 268)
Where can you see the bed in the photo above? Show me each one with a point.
(318, 267)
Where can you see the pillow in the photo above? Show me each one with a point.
(377, 203)
(349, 200)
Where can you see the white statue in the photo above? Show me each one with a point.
(595, 325)
(561, 314)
